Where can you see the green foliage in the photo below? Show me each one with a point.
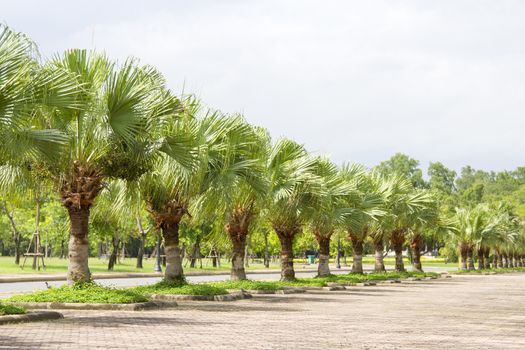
(8, 309)
(449, 253)
(403, 165)
(87, 292)
(442, 179)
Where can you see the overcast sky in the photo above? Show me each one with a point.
(356, 80)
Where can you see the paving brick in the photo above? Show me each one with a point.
(466, 312)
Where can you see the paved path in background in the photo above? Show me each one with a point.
(464, 312)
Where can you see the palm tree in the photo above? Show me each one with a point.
(28, 92)
(109, 137)
(426, 223)
(237, 186)
(390, 229)
(292, 180)
(469, 227)
(336, 202)
(506, 235)
(368, 210)
(174, 188)
(404, 206)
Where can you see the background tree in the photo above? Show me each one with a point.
(403, 165)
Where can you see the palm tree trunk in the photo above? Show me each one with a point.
(140, 253)
(496, 257)
(357, 247)
(247, 253)
(143, 235)
(238, 271)
(481, 260)
(463, 250)
(196, 253)
(78, 269)
(18, 241)
(511, 260)
(470, 260)
(62, 249)
(170, 233)
(115, 242)
(486, 253)
(500, 260)
(286, 238)
(415, 245)
(379, 261)
(266, 252)
(323, 269)
(397, 239)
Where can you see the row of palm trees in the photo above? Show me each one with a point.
(89, 127)
(486, 232)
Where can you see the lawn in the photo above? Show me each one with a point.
(7, 265)
(180, 289)
(82, 293)
(7, 309)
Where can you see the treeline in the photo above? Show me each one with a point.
(105, 149)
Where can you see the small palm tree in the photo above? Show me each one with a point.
(237, 186)
(293, 183)
(335, 203)
(505, 237)
(369, 209)
(469, 227)
(404, 206)
(426, 224)
(110, 136)
(173, 190)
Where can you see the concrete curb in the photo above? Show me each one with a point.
(148, 305)
(33, 316)
(277, 291)
(224, 297)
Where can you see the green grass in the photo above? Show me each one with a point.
(7, 266)
(180, 289)
(7, 309)
(248, 285)
(82, 293)
(499, 270)
(318, 281)
(56, 265)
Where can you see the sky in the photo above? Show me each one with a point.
(354, 80)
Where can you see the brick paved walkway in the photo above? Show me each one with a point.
(465, 312)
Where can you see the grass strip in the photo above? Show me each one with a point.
(164, 287)
(87, 292)
(8, 309)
